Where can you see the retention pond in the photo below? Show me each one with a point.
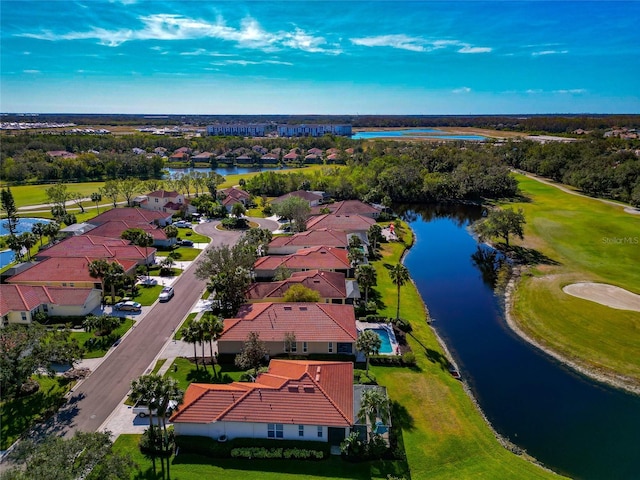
(572, 424)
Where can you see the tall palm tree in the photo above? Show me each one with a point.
(373, 406)
(369, 343)
(98, 269)
(399, 276)
(190, 335)
(203, 336)
(28, 240)
(214, 327)
(366, 277)
(114, 274)
(38, 230)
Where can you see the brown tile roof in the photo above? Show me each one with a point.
(291, 156)
(314, 151)
(72, 269)
(133, 215)
(292, 391)
(348, 223)
(163, 194)
(236, 193)
(319, 257)
(327, 284)
(311, 322)
(310, 238)
(98, 247)
(20, 298)
(115, 228)
(347, 207)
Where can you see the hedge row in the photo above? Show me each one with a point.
(278, 453)
(405, 360)
(211, 448)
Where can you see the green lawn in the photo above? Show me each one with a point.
(576, 234)
(195, 467)
(18, 415)
(185, 372)
(185, 324)
(98, 346)
(36, 194)
(444, 434)
(188, 234)
(187, 254)
(147, 294)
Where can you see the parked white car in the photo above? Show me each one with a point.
(166, 294)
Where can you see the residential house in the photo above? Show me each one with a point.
(293, 400)
(269, 158)
(349, 223)
(244, 160)
(168, 202)
(132, 215)
(332, 287)
(65, 272)
(291, 157)
(19, 303)
(313, 198)
(314, 258)
(99, 247)
(317, 327)
(204, 157)
(312, 158)
(115, 228)
(179, 157)
(315, 151)
(287, 245)
(348, 207)
(259, 149)
(233, 195)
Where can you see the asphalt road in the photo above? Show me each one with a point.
(93, 400)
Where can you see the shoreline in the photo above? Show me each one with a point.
(611, 379)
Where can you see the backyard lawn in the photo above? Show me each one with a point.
(187, 254)
(575, 234)
(98, 346)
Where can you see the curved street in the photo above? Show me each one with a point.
(93, 400)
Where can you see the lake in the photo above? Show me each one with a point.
(430, 133)
(224, 171)
(570, 423)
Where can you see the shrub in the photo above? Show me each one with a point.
(209, 447)
(409, 358)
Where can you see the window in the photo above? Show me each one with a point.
(330, 347)
(294, 347)
(45, 308)
(24, 316)
(301, 430)
(305, 347)
(275, 430)
(319, 432)
(156, 200)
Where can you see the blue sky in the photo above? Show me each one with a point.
(329, 57)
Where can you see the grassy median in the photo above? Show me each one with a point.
(579, 239)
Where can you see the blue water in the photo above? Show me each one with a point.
(6, 257)
(384, 336)
(415, 133)
(572, 424)
(24, 225)
(224, 171)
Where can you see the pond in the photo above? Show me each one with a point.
(24, 225)
(430, 133)
(572, 424)
(224, 171)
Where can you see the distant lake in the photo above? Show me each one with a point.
(224, 171)
(431, 133)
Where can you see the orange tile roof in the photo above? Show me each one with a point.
(309, 238)
(163, 194)
(22, 298)
(347, 207)
(310, 322)
(319, 257)
(114, 229)
(292, 391)
(134, 215)
(71, 269)
(348, 223)
(81, 246)
(327, 284)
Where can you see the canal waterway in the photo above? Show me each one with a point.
(572, 424)
(430, 133)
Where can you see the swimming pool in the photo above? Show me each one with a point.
(386, 341)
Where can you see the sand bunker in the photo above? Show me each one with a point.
(614, 297)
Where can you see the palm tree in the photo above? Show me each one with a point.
(214, 327)
(28, 241)
(38, 230)
(369, 343)
(98, 269)
(144, 390)
(190, 335)
(366, 277)
(399, 276)
(203, 336)
(51, 229)
(115, 272)
(373, 406)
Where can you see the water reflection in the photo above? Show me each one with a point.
(489, 262)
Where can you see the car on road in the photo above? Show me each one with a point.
(182, 224)
(185, 243)
(166, 294)
(142, 410)
(128, 306)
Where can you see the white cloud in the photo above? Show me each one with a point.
(416, 44)
(34, 72)
(549, 52)
(571, 91)
(167, 27)
(244, 63)
(461, 90)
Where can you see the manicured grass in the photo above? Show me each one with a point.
(147, 294)
(158, 365)
(18, 415)
(185, 324)
(196, 467)
(185, 372)
(578, 234)
(444, 434)
(36, 194)
(188, 234)
(101, 345)
(187, 254)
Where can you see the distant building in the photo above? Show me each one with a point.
(237, 129)
(315, 130)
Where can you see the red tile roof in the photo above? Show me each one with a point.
(98, 247)
(348, 223)
(310, 238)
(163, 194)
(311, 322)
(327, 284)
(291, 156)
(22, 298)
(292, 391)
(115, 228)
(133, 215)
(236, 193)
(72, 269)
(347, 207)
(305, 195)
(319, 257)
